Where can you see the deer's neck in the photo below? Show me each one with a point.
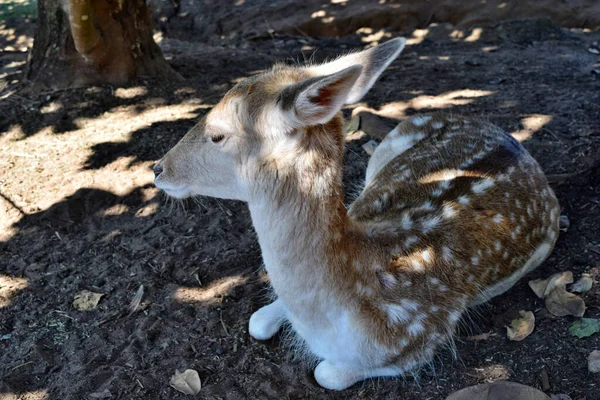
(299, 225)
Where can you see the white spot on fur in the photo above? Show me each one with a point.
(426, 255)
(415, 328)
(406, 221)
(498, 218)
(453, 316)
(420, 120)
(388, 280)
(448, 211)
(482, 185)
(463, 200)
(411, 240)
(437, 125)
(433, 280)
(498, 245)
(396, 313)
(417, 265)
(447, 253)
(475, 260)
(410, 304)
(431, 223)
(427, 206)
(434, 309)
(436, 192)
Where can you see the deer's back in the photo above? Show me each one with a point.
(465, 208)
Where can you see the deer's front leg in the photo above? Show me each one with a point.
(266, 321)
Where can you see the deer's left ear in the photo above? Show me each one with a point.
(315, 101)
(373, 61)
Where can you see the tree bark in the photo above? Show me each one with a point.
(84, 42)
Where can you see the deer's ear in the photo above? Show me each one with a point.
(373, 61)
(315, 101)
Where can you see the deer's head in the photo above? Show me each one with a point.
(286, 120)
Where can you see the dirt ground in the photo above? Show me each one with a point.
(78, 211)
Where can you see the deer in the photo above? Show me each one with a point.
(453, 212)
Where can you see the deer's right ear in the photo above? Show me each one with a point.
(316, 100)
(373, 61)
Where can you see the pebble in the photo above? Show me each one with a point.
(594, 362)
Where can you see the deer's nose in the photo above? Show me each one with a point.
(158, 168)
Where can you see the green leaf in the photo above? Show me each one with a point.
(585, 327)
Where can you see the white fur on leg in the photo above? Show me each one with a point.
(339, 377)
(266, 321)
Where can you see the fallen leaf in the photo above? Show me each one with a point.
(86, 300)
(560, 303)
(543, 287)
(521, 327)
(105, 394)
(370, 147)
(585, 327)
(353, 125)
(583, 284)
(477, 338)
(498, 391)
(137, 299)
(187, 382)
(594, 361)
(563, 223)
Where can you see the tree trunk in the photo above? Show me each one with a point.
(83, 42)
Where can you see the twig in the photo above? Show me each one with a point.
(22, 365)
(223, 323)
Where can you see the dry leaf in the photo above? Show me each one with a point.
(521, 327)
(498, 391)
(353, 125)
(105, 394)
(137, 299)
(370, 147)
(187, 382)
(477, 338)
(563, 223)
(543, 287)
(583, 284)
(594, 361)
(560, 303)
(86, 300)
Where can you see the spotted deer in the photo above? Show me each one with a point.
(453, 212)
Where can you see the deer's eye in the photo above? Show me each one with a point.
(217, 138)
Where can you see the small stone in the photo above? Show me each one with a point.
(563, 223)
(594, 362)
(583, 285)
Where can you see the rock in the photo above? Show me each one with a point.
(594, 362)
(584, 284)
(498, 391)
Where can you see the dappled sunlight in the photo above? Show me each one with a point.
(531, 124)
(398, 109)
(131, 92)
(9, 287)
(475, 35)
(492, 373)
(210, 294)
(40, 157)
(33, 395)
